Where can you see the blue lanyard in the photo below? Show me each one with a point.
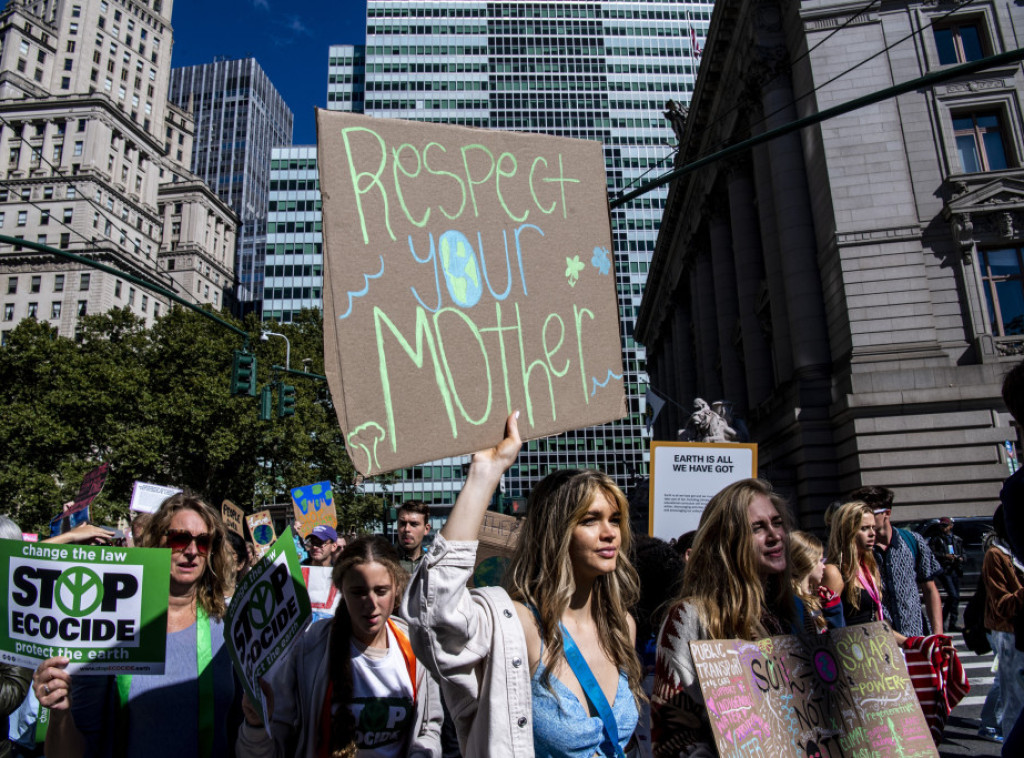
(591, 688)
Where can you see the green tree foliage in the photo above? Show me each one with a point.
(155, 404)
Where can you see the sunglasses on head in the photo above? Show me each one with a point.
(178, 541)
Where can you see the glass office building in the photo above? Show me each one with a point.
(293, 267)
(589, 70)
(240, 117)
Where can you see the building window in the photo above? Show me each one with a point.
(69, 213)
(9, 312)
(83, 307)
(55, 309)
(83, 283)
(1002, 275)
(44, 217)
(959, 43)
(145, 303)
(117, 289)
(22, 217)
(65, 239)
(33, 310)
(58, 283)
(12, 285)
(979, 142)
(78, 148)
(35, 283)
(131, 296)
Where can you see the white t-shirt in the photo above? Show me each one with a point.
(382, 703)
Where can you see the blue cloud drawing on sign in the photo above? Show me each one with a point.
(602, 260)
(366, 288)
(611, 375)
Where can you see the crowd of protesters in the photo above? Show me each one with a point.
(582, 652)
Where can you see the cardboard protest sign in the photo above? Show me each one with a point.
(146, 498)
(92, 483)
(105, 608)
(269, 609)
(467, 273)
(233, 517)
(686, 475)
(844, 693)
(313, 505)
(497, 539)
(261, 527)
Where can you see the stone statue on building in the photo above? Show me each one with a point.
(709, 424)
(676, 115)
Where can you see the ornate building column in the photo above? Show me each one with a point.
(770, 303)
(794, 222)
(683, 354)
(702, 289)
(734, 386)
(750, 274)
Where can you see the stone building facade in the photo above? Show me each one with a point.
(856, 289)
(88, 148)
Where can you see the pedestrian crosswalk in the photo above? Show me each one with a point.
(979, 670)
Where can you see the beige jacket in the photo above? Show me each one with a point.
(474, 643)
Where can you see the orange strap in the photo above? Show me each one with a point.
(410, 659)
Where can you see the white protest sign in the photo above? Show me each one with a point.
(686, 475)
(105, 608)
(269, 609)
(146, 498)
(323, 595)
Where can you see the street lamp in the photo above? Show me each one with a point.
(287, 350)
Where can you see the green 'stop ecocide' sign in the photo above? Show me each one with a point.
(105, 608)
(269, 609)
(467, 273)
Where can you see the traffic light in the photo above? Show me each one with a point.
(243, 374)
(266, 403)
(286, 401)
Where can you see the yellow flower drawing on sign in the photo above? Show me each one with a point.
(572, 269)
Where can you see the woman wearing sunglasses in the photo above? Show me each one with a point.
(184, 711)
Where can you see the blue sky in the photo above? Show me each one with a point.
(289, 38)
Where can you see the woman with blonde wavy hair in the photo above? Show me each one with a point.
(545, 666)
(851, 571)
(183, 711)
(737, 585)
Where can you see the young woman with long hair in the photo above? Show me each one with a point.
(350, 687)
(851, 571)
(736, 586)
(545, 666)
(184, 710)
(807, 565)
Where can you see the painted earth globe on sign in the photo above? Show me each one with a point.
(263, 534)
(461, 272)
